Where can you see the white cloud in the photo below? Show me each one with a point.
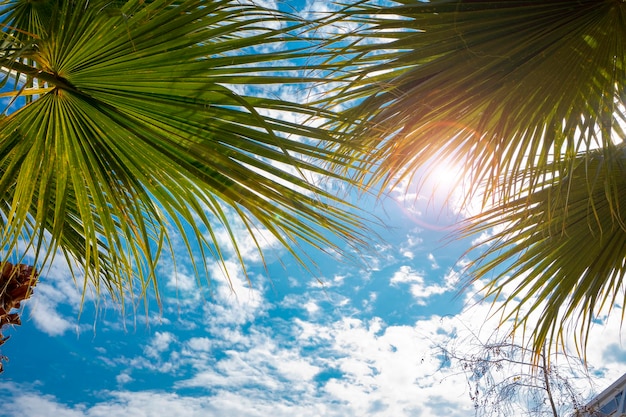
(383, 369)
(182, 282)
(200, 344)
(46, 317)
(406, 275)
(336, 281)
(262, 365)
(418, 287)
(318, 301)
(123, 378)
(26, 402)
(160, 343)
(380, 368)
(377, 370)
(249, 247)
(311, 307)
(234, 301)
(412, 242)
(433, 261)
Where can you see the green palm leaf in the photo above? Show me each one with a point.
(146, 125)
(560, 251)
(500, 87)
(525, 97)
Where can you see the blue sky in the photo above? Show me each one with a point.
(348, 339)
(351, 340)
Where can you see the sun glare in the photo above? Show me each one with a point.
(437, 191)
(445, 178)
(434, 196)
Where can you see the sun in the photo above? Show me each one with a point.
(446, 177)
(442, 182)
(432, 196)
(438, 193)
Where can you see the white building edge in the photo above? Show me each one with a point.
(609, 403)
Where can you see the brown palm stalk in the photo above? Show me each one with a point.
(16, 284)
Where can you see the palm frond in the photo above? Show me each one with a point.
(527, 99)
(150, 120)
(499, 87)
(559, 252)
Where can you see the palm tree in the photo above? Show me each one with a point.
(528, 98)
(128, 121)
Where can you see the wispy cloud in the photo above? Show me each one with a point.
(420, 290)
